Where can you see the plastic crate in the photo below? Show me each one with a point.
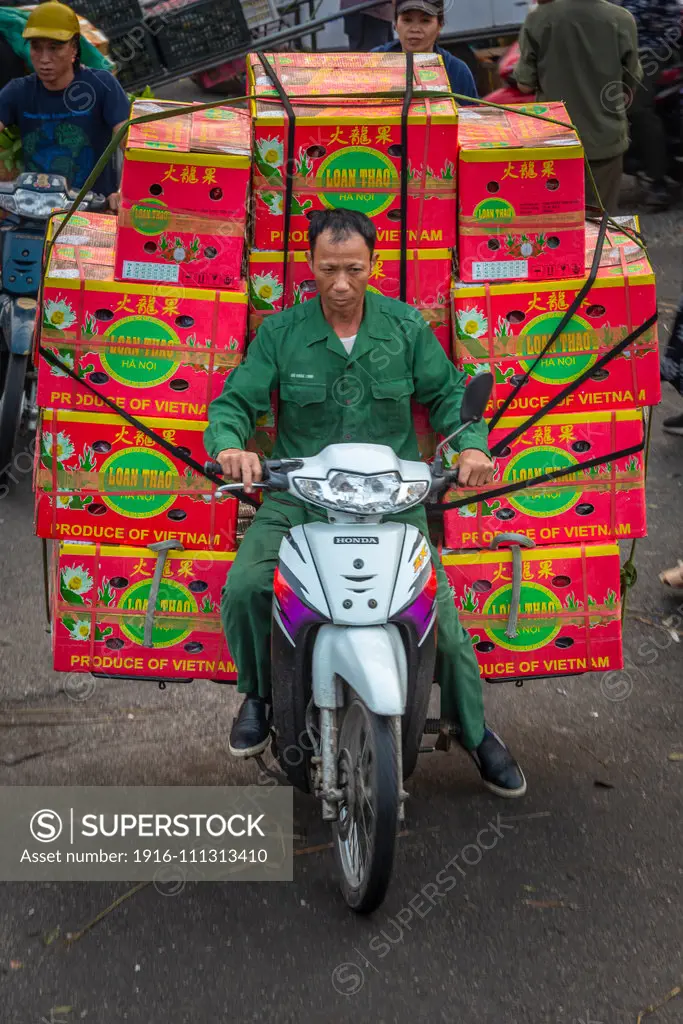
(260, 12)
(136, 57)
(188, 35)
(108, 16)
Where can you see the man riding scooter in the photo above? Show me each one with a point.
(66, 113)
(345, 365)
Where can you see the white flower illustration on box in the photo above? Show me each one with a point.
(68, 359)
(63, 450)
(75, 580)
(58, 314)
(472, 323)
(270, 157)
(80, 630)
(265, 291)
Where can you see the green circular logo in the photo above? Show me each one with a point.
(531, 633)
(569, 356)
(352, 173)
(142, 479)
(173, 598)
(134, 361)
(535, 462)
(498, 210)
(150, 217)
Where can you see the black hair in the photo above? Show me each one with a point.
(342, 223)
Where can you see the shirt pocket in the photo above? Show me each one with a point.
(391, 412)
(304, 406)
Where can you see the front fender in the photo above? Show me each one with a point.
(371, 659)
(22, 323)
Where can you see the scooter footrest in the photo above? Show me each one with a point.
(433, 727)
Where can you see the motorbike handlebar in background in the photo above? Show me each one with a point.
(94, 202)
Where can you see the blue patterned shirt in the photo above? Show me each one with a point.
(658, 21)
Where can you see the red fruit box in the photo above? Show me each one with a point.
(153, 349)
(184, 189)
(349, 155)
(100, 596)
(504, 327)
(570, 609)
(606, 502)
(428, 284)
(521, 195)
(98, 479)
(154, 244)
(197, 162)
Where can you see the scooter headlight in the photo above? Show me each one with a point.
(33, 204)
(362, 495)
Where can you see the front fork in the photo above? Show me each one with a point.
(328, 763)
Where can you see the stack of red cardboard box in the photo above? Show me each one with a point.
(524, 253)
(151, 313)
(348, 153)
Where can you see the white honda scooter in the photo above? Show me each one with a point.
(354, 641)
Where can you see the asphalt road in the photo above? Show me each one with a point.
(573, 915)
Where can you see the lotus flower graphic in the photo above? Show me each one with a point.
(472, 323)
(68, 359)
(58, 314)
(64, 448)
(266, 289)
(271, 152)
(80, 630)
(76, 579)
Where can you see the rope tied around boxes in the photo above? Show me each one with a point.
(290, 167)
(176, 451)
(290, 163)
(628, 571)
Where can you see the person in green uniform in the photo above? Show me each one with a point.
(346, 366)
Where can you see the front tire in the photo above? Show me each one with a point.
(365, 833)
(11, 406)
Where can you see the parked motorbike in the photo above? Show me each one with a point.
(29, 201)
(354, 641)
(669, 102)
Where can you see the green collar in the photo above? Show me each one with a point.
(372, 326)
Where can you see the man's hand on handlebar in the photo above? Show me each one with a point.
(240, 466)
(475, 468)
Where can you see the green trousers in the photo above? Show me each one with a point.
(246, 614)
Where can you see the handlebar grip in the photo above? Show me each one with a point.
(213, 467)
(451, 476)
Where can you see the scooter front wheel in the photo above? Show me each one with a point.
(11, 408)
(365, 832)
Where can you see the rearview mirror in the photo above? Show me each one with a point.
(477, 394)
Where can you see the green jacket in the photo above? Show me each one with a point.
(326, 397)
(583, 52)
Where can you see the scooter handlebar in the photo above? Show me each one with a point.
(94, 201)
